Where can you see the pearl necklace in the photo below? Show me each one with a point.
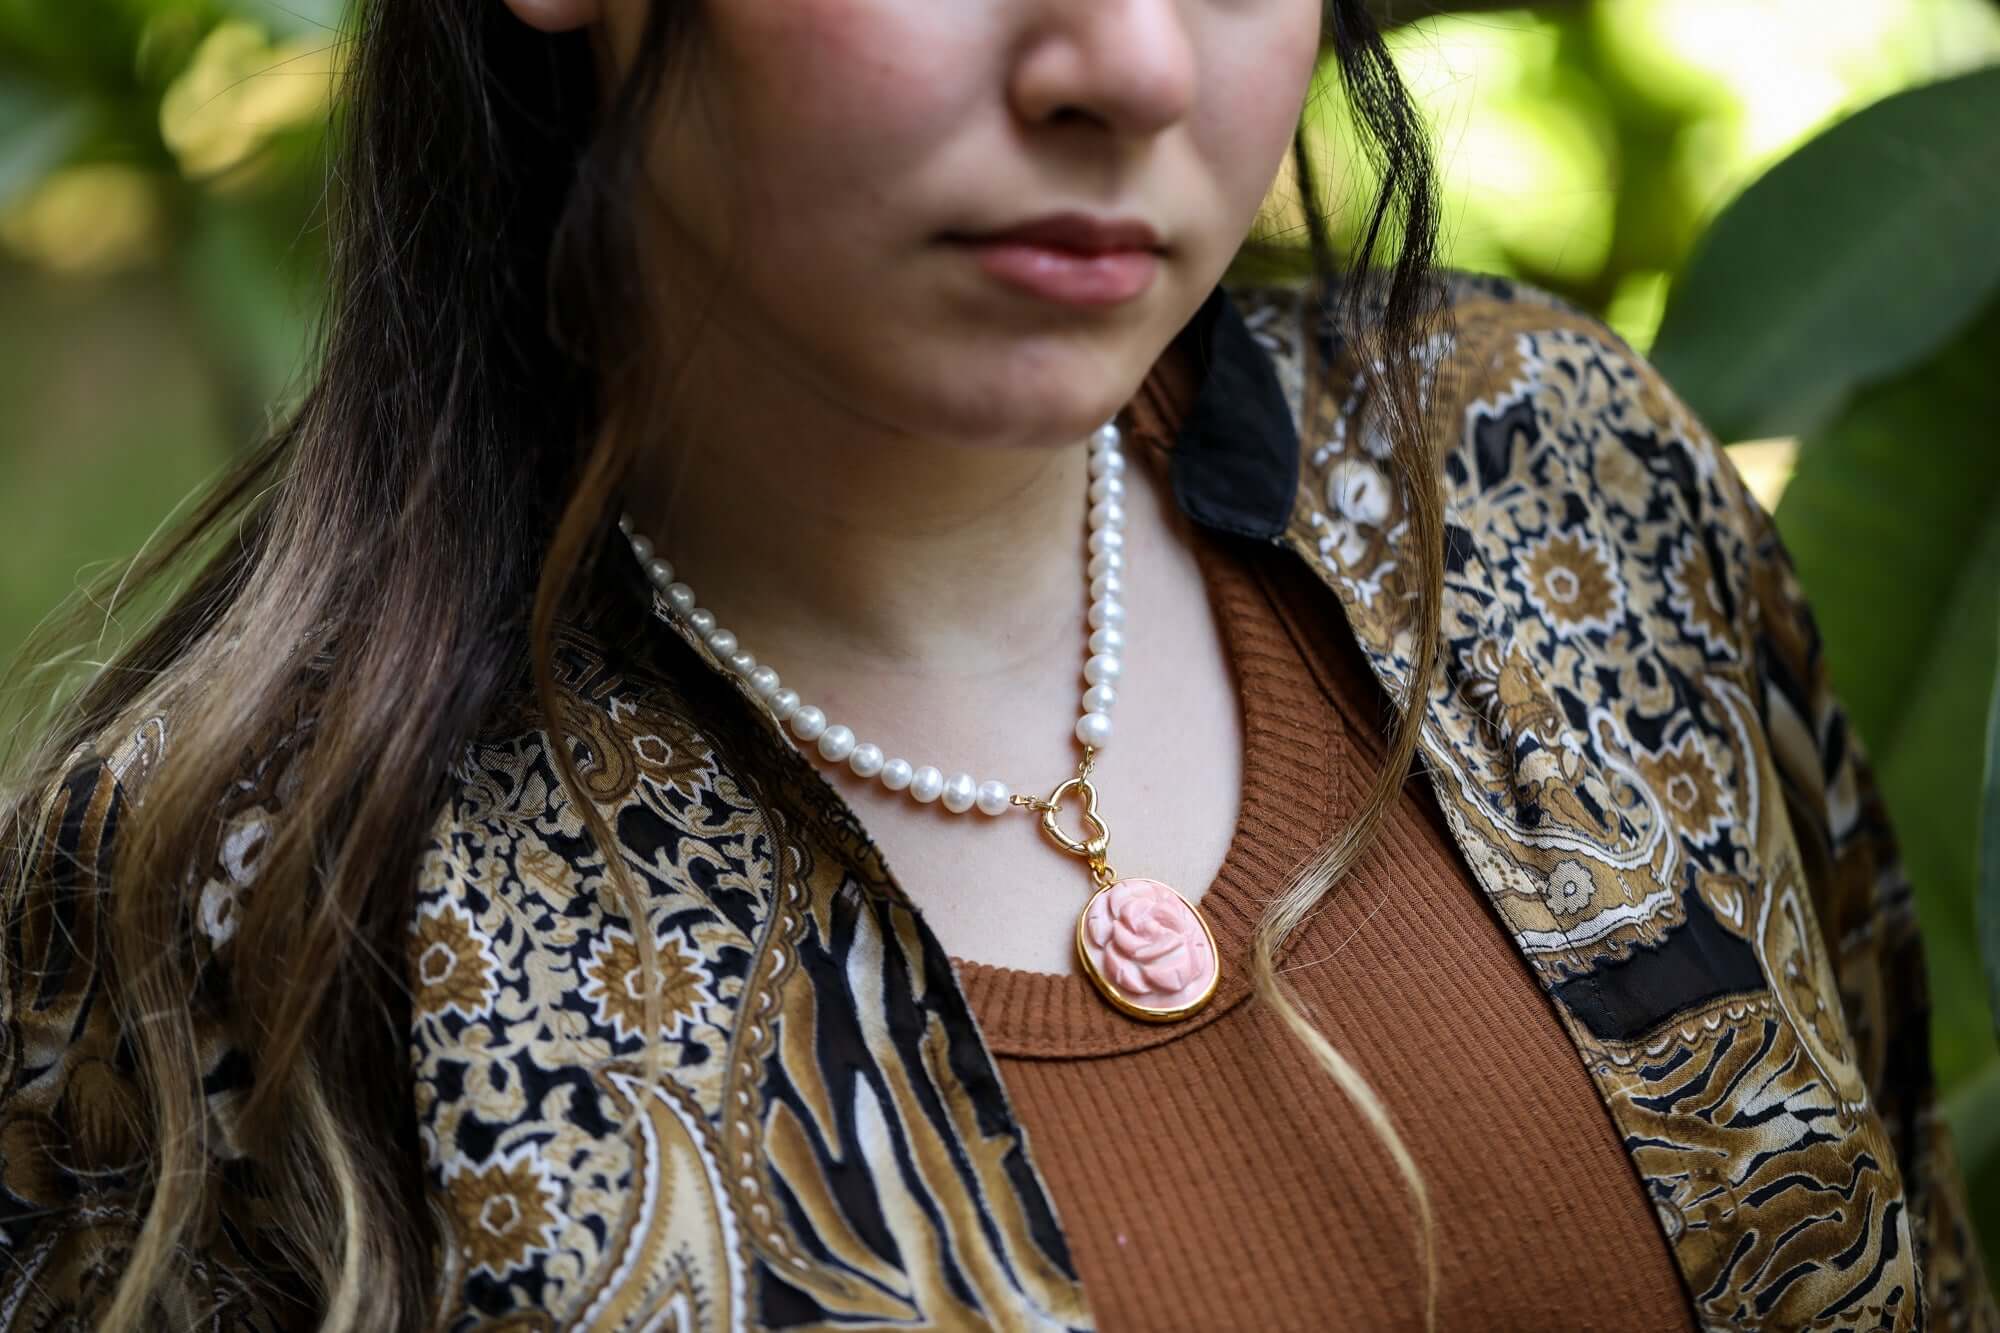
(1149, 951)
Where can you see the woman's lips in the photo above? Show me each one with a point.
(1069, 277)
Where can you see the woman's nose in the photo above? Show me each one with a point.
(1126, 64)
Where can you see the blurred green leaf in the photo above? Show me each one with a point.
(1394, 13)
(1850, 261)
(1902, 564)
(291, 18)
(82, 45)
(1973, 1112)
(37, 132)
(255, 277)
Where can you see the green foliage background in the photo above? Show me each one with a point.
(1788, 203)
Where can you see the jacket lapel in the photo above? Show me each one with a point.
(1595, 746)
(880, 1170)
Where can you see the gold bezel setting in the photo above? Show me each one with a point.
(1109, 989)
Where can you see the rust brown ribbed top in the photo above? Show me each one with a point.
(1210, 1176)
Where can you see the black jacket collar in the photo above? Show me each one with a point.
(1236, 457)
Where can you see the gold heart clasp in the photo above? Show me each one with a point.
(1097, 840)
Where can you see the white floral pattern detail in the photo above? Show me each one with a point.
(1569, 888)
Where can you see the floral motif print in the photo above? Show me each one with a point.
(453, 968)
(612, 982)
(221, 896)
(1682, 776)
(1569, 888)
(217, 911)
(1696, 599)
(1572, 583)
(502, 1211)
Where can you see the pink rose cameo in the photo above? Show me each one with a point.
(1145, 940)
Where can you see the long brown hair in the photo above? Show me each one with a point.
(368, 580)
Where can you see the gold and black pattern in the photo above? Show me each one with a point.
(1637, 751)
(1634, 746)
(821, 1150)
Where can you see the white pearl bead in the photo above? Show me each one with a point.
(1107, 463)
(764, 681)
(1106, 539)
(722, 641)
(625, 524)
(960, 792)
(742, 663)
(1106, 585)
(1094, 728)
(808, 723)
(866, 761)
(660, 572)
(1107, 488)
(926, 784)
(1106, 436)
(1107, 562)
(1103, 669)
(896, 774)
(993, 798)
(702, 621)
(642, 548)
(681, 598)
(1107, 611)
(1107, 639)
(784, 703)
(1107, 514)
(1099, 698)
(836, 742)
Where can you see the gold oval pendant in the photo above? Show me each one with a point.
(1148, 950)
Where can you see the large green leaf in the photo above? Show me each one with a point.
(1894, 522)
(1853, 259)
(1973, 1112)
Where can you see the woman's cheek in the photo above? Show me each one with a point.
(1252, 100)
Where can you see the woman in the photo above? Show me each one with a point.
(329, 1000)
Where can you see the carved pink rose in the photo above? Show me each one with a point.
(1145, 939)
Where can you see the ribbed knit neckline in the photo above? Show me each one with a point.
(1285, 809)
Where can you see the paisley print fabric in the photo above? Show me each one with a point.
(820, 1121)
(1635, 748)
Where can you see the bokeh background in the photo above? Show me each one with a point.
(1793, 206)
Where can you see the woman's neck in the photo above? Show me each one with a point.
(823, 538)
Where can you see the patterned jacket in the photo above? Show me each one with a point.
(1634, 745)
